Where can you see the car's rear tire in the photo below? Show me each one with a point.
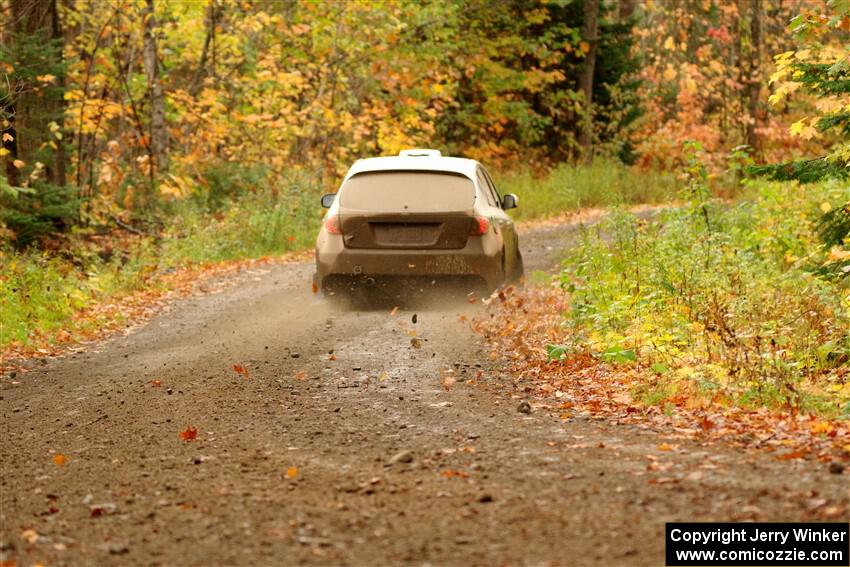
(518, 275)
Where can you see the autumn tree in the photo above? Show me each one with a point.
(32, 102)
(820, 67)
(34, 198)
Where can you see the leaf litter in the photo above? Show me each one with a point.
(521, 324)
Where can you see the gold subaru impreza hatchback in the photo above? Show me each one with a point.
(413, 221)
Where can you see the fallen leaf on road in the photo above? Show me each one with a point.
(832, 512)
(239, 369)
(30, 536)
(156, 383)
(666, 447)
(415, 343)
(189, 434)
(394, 311)
(59, 460)
(454, 474)
(800, 454)
(301, 375)
(332, 357)
(291, 472)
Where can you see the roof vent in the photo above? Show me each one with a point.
(419, 153)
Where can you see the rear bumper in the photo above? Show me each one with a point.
(481, 257)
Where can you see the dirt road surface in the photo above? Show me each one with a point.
(343, 447)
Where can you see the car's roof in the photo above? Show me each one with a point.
(415, 160)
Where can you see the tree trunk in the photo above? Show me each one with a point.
(31, 108)
(158, 137)
(627, 9)
(753, 85)
(589, 34)
(201, 72)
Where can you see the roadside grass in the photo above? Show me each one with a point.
(718, 303)
(42, 294)
(605, 183)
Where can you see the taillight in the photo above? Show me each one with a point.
(480, 225)
(332, 225)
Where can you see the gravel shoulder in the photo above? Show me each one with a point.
(358, 438)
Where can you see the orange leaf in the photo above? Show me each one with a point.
(315, 288)
(799, 454)
(291, 472)
(59, 460)
(190, 434)
(821, 427)
(454, 474)
(301, 375)
(394, 311)
(239, 369)
(156, 383)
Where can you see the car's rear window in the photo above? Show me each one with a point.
(412, 191)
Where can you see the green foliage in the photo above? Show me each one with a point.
(519, 93)
(32, 213)
(727, 298)
(223, 182)
(601, 184)
(282, 216)
(804, 171)
(834, 225)
(823, 78)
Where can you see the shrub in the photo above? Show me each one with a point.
(727, 298)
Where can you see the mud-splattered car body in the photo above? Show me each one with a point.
(417, 218)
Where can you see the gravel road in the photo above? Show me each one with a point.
(343, 446)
